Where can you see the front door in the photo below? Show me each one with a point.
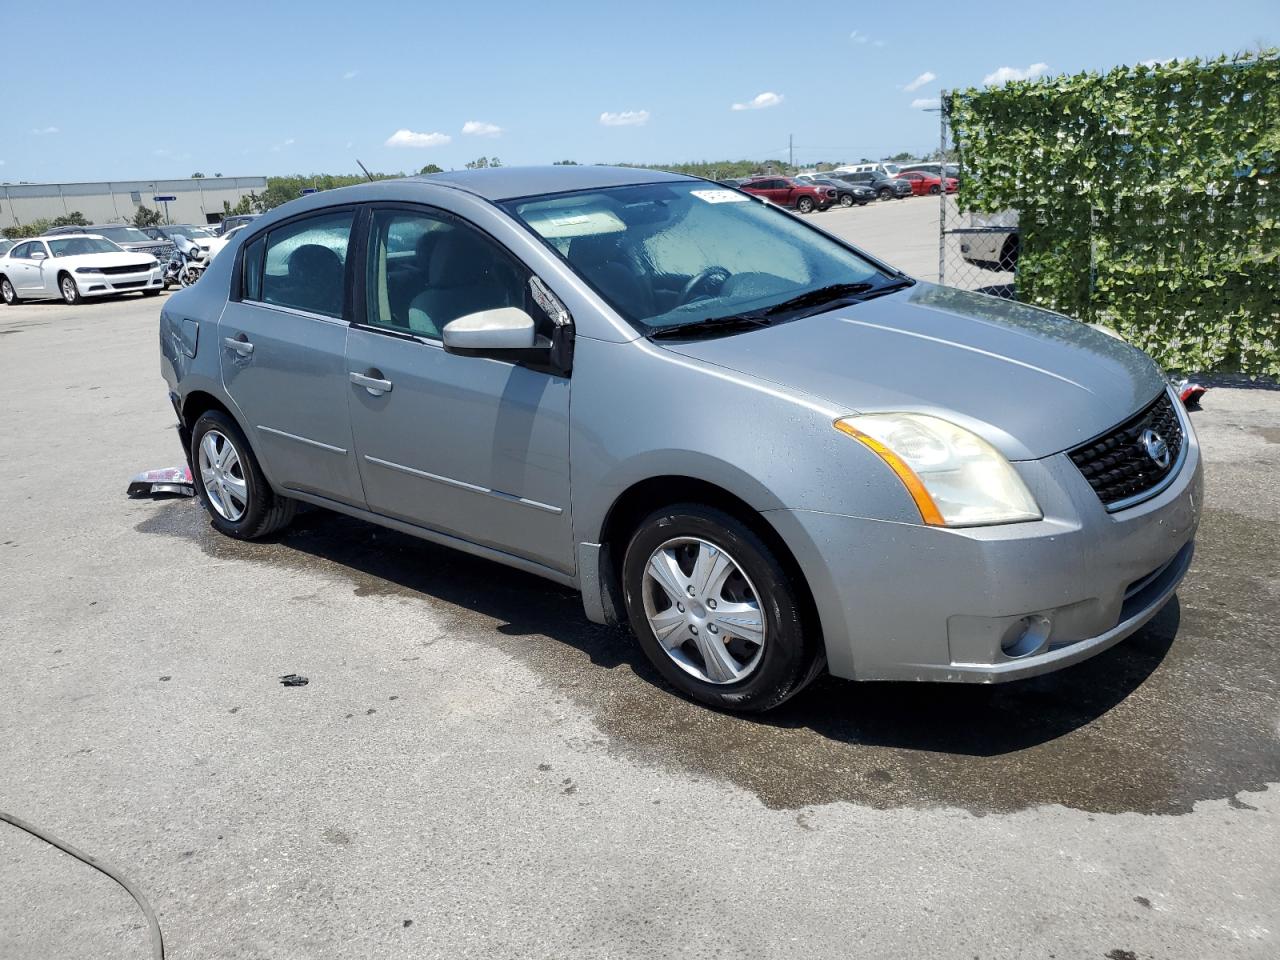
(282, 339)
(471, 447)
(25, 269)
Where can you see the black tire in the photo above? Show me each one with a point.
(265, 512)
(70, 289)
(805, 205)
(846, 200)
(884, 193)
(934, 191)
(151, 293)
(8, 293)
(1009, 253)
(792, 654)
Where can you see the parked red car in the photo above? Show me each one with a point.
(786, 192)
(923, 183)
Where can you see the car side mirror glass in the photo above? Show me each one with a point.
(490, 331)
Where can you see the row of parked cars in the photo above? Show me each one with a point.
(100, 260)
(845, 186)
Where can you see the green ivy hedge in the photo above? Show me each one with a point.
(1148, 200)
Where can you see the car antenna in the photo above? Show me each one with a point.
(365, 169)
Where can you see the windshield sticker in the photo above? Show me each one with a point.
(720, 196)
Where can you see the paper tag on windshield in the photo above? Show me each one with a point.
(720, 196)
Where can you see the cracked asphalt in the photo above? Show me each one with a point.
(474, 770)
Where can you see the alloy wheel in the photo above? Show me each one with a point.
(68, 290)
(7, 291)
(704, 610)
(222, 474)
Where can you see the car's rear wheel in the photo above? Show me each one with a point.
(935, 190)
(8, 293)
(805, 204)
(715, 610)
(884, 193)
(846, 200)
(70, 292)
(1009, 253)
(230, 484)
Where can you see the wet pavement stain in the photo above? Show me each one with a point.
(1184, 710)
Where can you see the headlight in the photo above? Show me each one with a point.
(87, 270)
(955, 477)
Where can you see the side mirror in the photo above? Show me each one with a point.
(39, 255)
(490, 332)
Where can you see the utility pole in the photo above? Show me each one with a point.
(791, 151)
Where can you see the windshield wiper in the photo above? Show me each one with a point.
(889, 287)
(823, 295)
(741, 321)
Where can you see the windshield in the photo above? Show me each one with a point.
(75, 246)
(668, 254)
(123, 234)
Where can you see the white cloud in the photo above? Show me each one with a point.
(1158, 61)
(879, 43)
(41, 131)
(478, 128)
(408, 138)
(927, 77)
(1006, 74)
(280, 146)
(857, 37)
(925, 103)
(627, 118)
(351, 75)
(760, 101)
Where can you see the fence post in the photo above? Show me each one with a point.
(942, 194)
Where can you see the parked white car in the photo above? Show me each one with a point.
(215, 245)
(75, 267)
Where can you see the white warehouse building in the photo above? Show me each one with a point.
(200, 200)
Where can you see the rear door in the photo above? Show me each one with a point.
(282, 339)
(22, 270)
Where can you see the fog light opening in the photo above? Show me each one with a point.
(1026, 636)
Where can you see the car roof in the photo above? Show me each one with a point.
(508, 183)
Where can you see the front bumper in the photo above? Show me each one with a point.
(102, 285)
(987, 604)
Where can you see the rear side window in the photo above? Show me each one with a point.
(251, 271)
(305, 264)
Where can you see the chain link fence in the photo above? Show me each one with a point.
(976, 251)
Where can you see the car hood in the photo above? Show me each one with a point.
(1031, 382)
(123, 259)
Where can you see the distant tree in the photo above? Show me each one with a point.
(564, 163)
(478, 164)
(431, 168)
(197, 176)
(31, 229)
(903, 157)
(73, 219)
(217, 175)
(495, 162)
(145, 216)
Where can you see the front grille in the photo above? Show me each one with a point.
(129, 285)
(127, 268)
(1118, 465)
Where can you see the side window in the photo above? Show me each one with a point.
(305, 264)
(21, 251)
(251, 270)
(425, 270)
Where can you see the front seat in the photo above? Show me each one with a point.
(607, 265)
(464, 275)
(315, 279)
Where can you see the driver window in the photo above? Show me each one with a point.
(425, 270)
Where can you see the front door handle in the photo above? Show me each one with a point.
(240, 345)
(374, 384)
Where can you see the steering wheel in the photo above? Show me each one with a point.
(704, 278)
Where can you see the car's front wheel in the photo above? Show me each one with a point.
(846, 200)
(8, 293)
(805, 205)
(230, 483)
(70, 292)
(715, 610)
(884, 193)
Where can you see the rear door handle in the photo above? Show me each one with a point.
(375, 385)
(240, 345)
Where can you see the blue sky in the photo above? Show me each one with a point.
(308, 88)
